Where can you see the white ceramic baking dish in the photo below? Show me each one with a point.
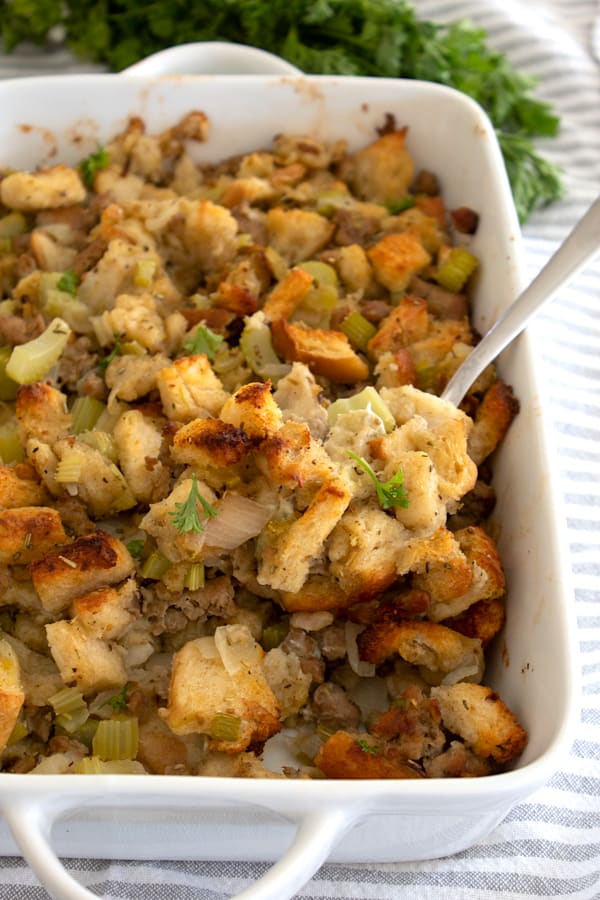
(132, 817)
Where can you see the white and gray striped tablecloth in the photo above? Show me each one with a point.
(548, 846)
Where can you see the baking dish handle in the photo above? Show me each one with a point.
(212, 58)
(317, 834)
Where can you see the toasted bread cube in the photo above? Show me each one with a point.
(29, 533)
(132, 377)
(481, 719)
(325, 353)
(209, 443)
(422, 643)
(287, 295)
(384, 170)
(19, 486)
(56, 186)
(107, 612)
(42, 413)
(253, 409)
(292, 457)
(12, 695)
(89, 663)
(139, 445)
(298, 234)
(286, 562)
(492, 420)
(88, 563)
(101, 485)
(482, 620)
(202, 687)
(362, 551)
(396, 258)
(362, 755)
(189, 389)
(408, 322)
(474, 574)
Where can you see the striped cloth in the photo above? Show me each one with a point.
(548, 846)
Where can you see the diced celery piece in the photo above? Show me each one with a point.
(155, 566)
(101, 441)
(194, 577)
(12, 225)
(74, 312)
(144, 272)
(277, 263)
(66, 701)
(368, 398)
(32, 361)
(273, 635)
(73, 721)
(116, 738)
(11, 450)
(358, 330)
(225, 727)
(257, 347)
(323, 273)
(68, 470)
(132, 348)
(455, 268)
(85, 413)
(8, 387)
(20, 731)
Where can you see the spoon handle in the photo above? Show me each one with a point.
(580, 247)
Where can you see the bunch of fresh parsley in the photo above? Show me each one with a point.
(348, 37)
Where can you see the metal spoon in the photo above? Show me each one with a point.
(580, 246)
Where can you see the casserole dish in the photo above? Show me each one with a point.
(533, 669)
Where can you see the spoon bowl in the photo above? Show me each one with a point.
(581, 245)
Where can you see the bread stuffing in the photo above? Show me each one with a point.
(234, 510)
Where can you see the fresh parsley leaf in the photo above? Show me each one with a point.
(92, 164)
(203, 340)
(366, 747)
(119, 701)
(186, 516)
(68, 282)
(397, 206)
(344, 37)
(116, 350)
(389, 493)
(136, 547)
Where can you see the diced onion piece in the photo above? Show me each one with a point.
(85, 412)
(143, 273)
(239, 519)
(323, 273)
(194, 577)
(455, 268)
(364, 669)
(155, 566)
(8, 387)
(32, 361)
(225, 727)
(358, 330)
(237, 648)
(11, 450)
(369, 399)
(207, 648)
(116, 739)
(257, 346)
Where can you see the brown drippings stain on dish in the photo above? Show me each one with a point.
(504, 654)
